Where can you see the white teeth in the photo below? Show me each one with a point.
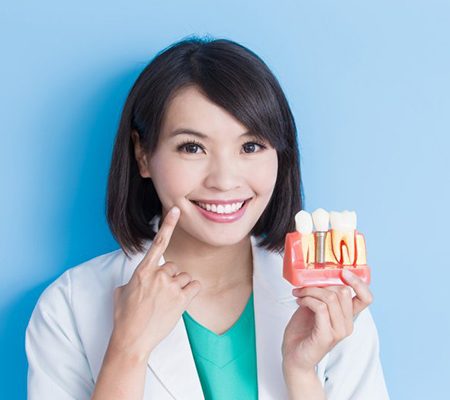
(342, 237)
(350, 218)
(343, 225)
(303, 222)
(221, 209)
(304, 225)
(321, 219)
(343, 221)
(336, 220)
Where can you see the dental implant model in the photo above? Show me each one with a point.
(320, 218)
(318, 258)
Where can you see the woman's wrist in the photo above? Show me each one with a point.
(122, 376)
(303, 384)
(131, 354)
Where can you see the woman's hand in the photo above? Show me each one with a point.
(324, 319)
(147, 308)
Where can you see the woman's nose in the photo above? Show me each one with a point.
(224, 174)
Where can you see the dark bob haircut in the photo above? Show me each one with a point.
(234, 78)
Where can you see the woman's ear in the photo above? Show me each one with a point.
(140, 155)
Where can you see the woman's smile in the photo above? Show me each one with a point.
(222, 213)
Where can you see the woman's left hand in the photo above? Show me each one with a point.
(324, 319)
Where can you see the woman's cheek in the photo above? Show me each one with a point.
(168, 178)
(263, 174)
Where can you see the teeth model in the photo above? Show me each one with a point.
(321, 219)
(343, 225)
(303, 222)
(316, 257)
(304, 225)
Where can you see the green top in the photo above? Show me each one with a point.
(226, 363)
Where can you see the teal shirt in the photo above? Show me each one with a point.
(226, 363)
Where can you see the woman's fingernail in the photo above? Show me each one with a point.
(175, 210)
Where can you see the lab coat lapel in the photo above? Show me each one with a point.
(273, 309)
(172, 361)
(173, 364)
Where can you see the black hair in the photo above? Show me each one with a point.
(236, 79)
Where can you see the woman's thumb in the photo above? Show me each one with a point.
(192, 289)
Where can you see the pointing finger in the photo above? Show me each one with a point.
(162, 238)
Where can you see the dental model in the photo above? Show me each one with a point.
(320, 218)
(318, 258)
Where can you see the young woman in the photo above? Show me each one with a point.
(203, 187)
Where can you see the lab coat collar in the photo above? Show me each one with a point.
(172, 361)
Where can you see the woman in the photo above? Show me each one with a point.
(194, 305)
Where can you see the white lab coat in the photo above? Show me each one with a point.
(70, 327)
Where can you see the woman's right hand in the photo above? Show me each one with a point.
(148, 307)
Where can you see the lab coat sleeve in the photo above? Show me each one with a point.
(57, 365)
(354, 370)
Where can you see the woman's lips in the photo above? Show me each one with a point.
(212, 216)
(223, 202)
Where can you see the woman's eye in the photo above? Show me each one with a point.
(251, 146)
(192, 147)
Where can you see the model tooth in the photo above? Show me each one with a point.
(352, 218)
(336, 220)
(227, 208)
(213, 208)
(304, 225)
(343, 221)
(360, 249)
(303, 222)
(343, 225)
(321, 219)
(348, 220)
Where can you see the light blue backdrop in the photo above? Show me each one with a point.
(369, 86)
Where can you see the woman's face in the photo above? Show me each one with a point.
(223, 165)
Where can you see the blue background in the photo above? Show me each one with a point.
(368, 83)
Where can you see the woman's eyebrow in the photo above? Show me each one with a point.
(188, 131)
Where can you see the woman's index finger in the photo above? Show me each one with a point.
(162, 238)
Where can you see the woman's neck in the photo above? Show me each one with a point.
(217, 268)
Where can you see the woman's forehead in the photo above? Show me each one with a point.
(191, 112)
